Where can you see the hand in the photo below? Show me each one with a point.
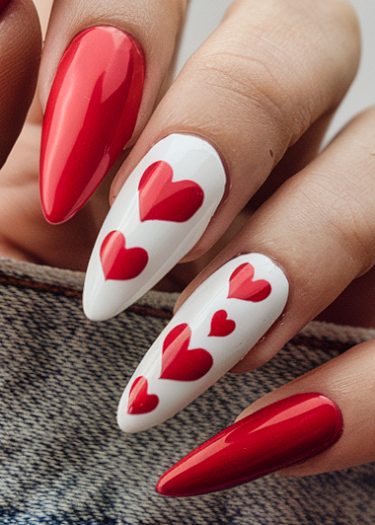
(238, 130)
(24, 232)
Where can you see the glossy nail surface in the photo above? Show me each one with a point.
(282, 434)
(213, 330)
(163, 209)
(90, 116)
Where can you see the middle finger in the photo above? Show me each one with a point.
(251, 93)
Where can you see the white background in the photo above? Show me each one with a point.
(205, 15)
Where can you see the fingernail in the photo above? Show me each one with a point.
(90, 116)
(160, 213)
(213, 330)
(280, 435)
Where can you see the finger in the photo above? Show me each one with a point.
(102, 69)
(243, 95)
(318, 232)
(293, 425)
(20, 54)
(35, 113)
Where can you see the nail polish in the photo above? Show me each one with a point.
(214, 329)
(280, 435)
(90, 116)
(163, 208)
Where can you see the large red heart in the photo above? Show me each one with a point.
(118, 262)
(242, 286)
(221, 325)
(180, 362)
(162, 199)
(140, 401)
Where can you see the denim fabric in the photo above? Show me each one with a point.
(63, 459)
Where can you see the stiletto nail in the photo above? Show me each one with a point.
(280, 435)
(163, 209)
(213, 330)
(90, 116)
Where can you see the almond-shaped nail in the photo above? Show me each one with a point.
(213, 330)
(160, 213)
(90, 116)
(280, 435)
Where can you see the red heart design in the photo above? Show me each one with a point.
(162, 199)
(181, 363)
(242, 286)
(221, 325)
(118, 262)
(140, 401)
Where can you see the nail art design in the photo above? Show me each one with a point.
(242, 285)
(213, 330)
(280, 435)
(221, 325)
(164, 208)
(179, 362)
(140, 401)
(90, 116)
(162, 199)
(118, 261)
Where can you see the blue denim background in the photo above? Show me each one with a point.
(63, 459)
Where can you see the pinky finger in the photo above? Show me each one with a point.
(321, 422)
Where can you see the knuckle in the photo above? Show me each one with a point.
(256, 80)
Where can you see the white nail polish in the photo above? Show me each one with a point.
(212, 331)
(160, 213)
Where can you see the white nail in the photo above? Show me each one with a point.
(213, 330)
(159, 215)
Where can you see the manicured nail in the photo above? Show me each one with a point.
(280, 435)
(90, 116)
(160, 213)
(213, 330)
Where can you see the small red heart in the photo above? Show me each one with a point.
(180, 362)
(140, 401)
(242, 286)
(118, 262)
(162, 199)
(221, 325)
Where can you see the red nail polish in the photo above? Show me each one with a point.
(90, 116)
(282, 434)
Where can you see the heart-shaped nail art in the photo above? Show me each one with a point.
(140, 401)
(242, 286)
(180, 362)
(221, 325)
(118, 262)
(162, 199)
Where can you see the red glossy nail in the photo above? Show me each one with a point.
(282, 434)
(90, 116)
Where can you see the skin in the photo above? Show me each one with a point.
(264, 100)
